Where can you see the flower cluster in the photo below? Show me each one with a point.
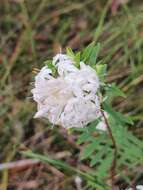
(70, 99)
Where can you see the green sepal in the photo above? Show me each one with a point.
(50, 65)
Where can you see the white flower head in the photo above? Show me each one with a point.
(64, 64)
(69, 99)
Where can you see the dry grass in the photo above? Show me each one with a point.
(33, 31)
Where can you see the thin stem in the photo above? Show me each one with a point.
(113, 166)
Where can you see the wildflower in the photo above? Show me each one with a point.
(70, 99)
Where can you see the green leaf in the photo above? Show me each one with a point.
(83, 138)
(88, 131)
(98, 186)
(60, 164)
(99, 155)
(91, 128)
(90, 53)
(118, 117)
(70, 52)
(77, 59)
(51, 66)
(91, 147)
(114, 90)
(101, 70)
(135, 140)
(105, 165)
(87, 51)
(75, 56)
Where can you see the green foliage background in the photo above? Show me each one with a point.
(33, 31)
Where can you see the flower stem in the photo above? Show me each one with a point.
(113, 166)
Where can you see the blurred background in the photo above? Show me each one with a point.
(32, 31)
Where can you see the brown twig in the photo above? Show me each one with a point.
(113, 166)
(21, 164)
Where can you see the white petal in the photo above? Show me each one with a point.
(41, 113)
